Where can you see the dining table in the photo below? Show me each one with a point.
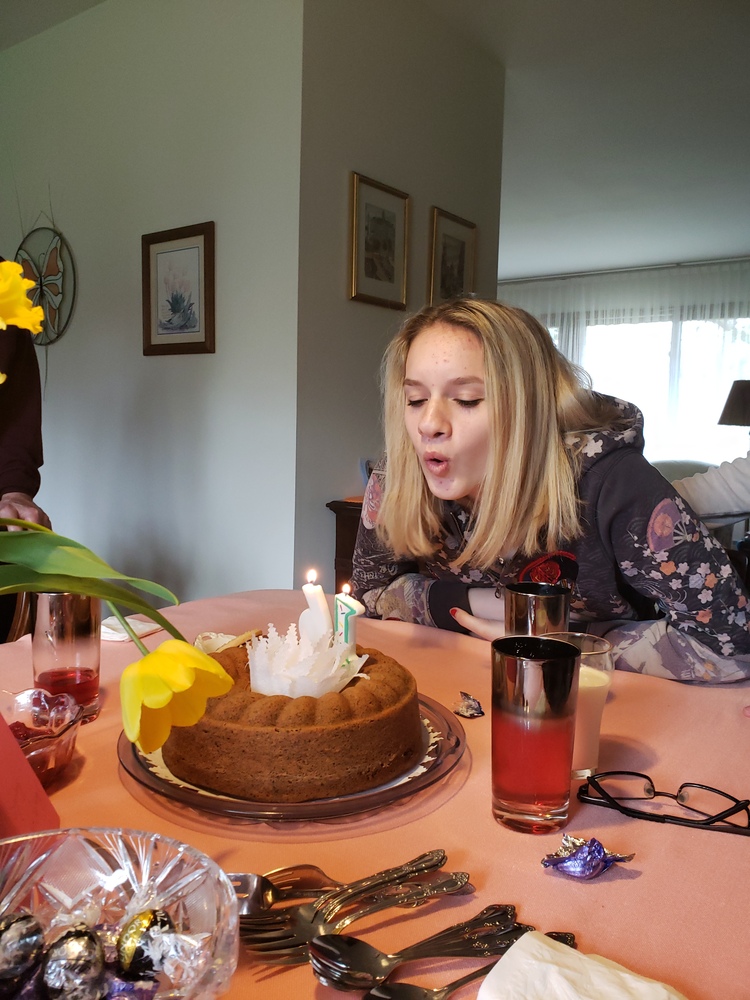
(677, 912)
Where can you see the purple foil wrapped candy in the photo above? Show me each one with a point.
(469, 707)
(126, 989)
(583, 858)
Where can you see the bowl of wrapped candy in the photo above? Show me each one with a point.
(45, 726)
(97, 913)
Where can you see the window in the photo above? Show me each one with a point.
(679, 374)
(671, 340)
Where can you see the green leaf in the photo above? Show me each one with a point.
(38, 560)
(20, 578)
(46, 552)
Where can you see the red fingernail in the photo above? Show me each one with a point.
(454, 611)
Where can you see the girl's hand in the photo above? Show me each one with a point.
(484, 628)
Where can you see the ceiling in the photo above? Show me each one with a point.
(20, 19)
(627, 129)
(627, 125)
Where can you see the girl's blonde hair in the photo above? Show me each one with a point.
(527, 500)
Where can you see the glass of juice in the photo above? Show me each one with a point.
(593, 687)
(534, 693)
(65, 647)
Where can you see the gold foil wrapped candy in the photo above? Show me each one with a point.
(140, 948)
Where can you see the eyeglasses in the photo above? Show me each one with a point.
(634, 794)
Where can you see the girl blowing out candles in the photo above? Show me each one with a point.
(504, 465)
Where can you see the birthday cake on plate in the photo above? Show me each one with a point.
(276, 748)
(310, 715)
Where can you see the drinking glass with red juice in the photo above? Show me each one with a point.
(65, 648)
(534, 693)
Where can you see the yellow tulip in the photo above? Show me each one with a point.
(15, 305)
(168, 687)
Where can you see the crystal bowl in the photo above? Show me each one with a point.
(45, 726)
(106, 878)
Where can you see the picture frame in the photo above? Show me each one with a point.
(453, 259)
(379, 242)
(179, 290)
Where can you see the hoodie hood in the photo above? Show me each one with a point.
(594, 445)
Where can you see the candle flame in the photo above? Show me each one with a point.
(312, 576)
(346, 589)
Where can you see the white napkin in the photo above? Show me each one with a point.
(112, 630)
(538, 968)
(210, 642)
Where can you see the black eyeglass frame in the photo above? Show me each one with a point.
(707, 823)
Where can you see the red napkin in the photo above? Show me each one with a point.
(25, 807)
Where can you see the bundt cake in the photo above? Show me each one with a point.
(272, 748)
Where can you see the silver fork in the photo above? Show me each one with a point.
(256, 894)
(331, 902)
(276, 922)
(302, 877)
(287, 943)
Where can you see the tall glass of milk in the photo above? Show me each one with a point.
(593, 686)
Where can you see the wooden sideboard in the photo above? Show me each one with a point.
(348, 513)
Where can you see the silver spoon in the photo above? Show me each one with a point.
(410, 991)
(350, 963)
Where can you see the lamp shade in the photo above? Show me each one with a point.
(737, 407)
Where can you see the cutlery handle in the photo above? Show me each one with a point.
(331, 902)
(414, 893)
(449, 988)
(433, 883)
(564, 937)
(497, 915)
(488, 941)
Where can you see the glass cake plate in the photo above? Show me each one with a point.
(444, 744)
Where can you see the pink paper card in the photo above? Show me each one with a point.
(25, 807)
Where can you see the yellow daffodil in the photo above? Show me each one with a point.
(168, 687)
(15, 305)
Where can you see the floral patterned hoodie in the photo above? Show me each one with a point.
(645, 572)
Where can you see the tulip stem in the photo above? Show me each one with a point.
(126, 625)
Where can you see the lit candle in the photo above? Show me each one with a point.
(315, 620)
(346, 611)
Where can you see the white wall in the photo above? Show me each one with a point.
(131, 118)
(391, 93)
(211, 473)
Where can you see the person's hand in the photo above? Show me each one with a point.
(487, 613)
(20, 505)
(484, 628)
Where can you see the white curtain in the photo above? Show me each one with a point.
(716, 290)
(672, 339)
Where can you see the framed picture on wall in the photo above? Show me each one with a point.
(453, 259)
(178, 290)
(379, 236)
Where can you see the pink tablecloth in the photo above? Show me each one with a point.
(678, 912)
